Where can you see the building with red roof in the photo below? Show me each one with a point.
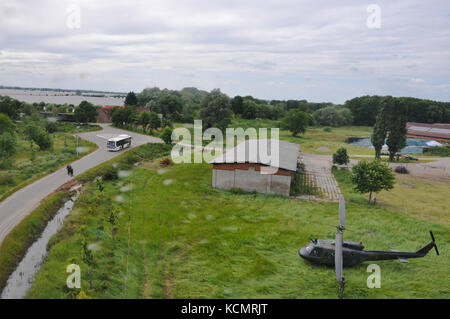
(438, 132)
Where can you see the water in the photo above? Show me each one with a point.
(32, 96)
(22, 278)
(413, 145)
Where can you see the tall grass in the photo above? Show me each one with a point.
(180, 238)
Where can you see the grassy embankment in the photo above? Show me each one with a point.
(15, 245)
(24, 170)
(178, 237)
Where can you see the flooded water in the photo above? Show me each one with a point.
(413, 145)
(22, 278)
(32, 96)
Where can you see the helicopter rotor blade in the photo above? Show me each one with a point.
(342, 211)
(338, 257)
(434, 244)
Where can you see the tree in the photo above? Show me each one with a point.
(215, 110)
(250, 108)
(341, 157)
(372, 177)
(8, 145)
(295, 121)
(154, 122)
(166, 135)
(333, 116)
(144, 120)
(398, 118)
(85, 113)
(43, 139)
(6, 125)
(171, 106)
(118, 116)
(131, 99)
(380, 129)
(391, 123)
(237, 105)
(10, 107)
(38, 135)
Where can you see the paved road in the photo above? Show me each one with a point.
(14, 208)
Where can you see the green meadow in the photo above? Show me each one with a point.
(177, 237)
(31, 163)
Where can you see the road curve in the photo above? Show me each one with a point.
(14, 208)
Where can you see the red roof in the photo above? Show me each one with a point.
(108, 107)
(438, 131)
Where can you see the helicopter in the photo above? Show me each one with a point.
(340, 253)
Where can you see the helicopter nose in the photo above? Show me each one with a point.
(302, 252)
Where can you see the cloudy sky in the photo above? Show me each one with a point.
(315, 50)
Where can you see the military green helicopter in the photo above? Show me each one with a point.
(341, 253)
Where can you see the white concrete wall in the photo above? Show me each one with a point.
(251, 181)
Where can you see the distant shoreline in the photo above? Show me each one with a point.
(58, 90)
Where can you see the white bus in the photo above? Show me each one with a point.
(119, 142)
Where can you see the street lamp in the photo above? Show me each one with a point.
(77, 139)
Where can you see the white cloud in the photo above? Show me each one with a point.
(266, 48)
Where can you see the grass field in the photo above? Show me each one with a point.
(24, 170)
(179, 238)
(316, 137)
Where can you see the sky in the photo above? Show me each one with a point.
(286, 49)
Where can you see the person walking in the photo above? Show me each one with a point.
(69, 170)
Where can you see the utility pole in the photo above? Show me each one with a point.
(77, 139)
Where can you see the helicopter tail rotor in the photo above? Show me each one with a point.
(434, 243)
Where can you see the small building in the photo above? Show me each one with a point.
(438, 132)
(239, 168)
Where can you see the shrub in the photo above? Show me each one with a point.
(44, 140)
(401, 170)
(110, 173)
(166, 162)
(7, 180)
(327, 129)
(166, 135)
(439, 150)
(51, 127)
(341, 157)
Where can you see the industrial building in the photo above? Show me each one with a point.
(438, 132)
(242, 169)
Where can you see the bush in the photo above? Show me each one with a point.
(166, 135)
(327, 129)
(401, 170)
(341, 157)
(439, 150)
(51, 127)
(110, 173)
(166, 162)
(43, 139)
(7, 180)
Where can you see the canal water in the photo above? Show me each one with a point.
(22, 278)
